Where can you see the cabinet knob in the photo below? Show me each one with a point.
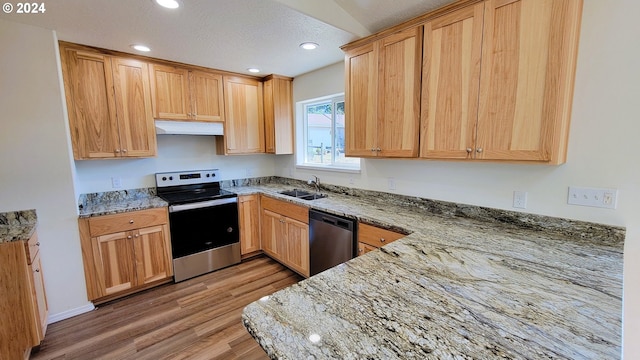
(373, 149)
(37, 270)
(131, 221)
(129, 237)
(469, 150)
(38, 243)
(479, 150)
(360, 250)
(136, 235)
(117, 151)
(378, 149)
(382, 240)
(124, 150)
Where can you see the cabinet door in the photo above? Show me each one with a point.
(361, 120)
(450, 84)
(364, 248)
(114, 261)
(297, 246)
(244, 124)
(249, 216)
(133, 108)
(41, 306)
(399, 94)
(528, 65)
(278, 116)
(273, 235)
(170, 93)
(206, 91)
(92, 113)
(152, 254)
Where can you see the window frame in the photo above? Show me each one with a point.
(303, 141)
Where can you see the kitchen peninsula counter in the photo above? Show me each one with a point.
(467, 282)
(17, 225)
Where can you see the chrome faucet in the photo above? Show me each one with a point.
(315, 182)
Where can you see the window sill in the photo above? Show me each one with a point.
(328, 168)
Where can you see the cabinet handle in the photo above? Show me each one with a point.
(469, 150)
(479, 150)
(382, 240)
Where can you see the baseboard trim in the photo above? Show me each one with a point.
(70, 313)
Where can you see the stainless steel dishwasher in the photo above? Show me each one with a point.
(332, 240)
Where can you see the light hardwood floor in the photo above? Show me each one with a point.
(196, 319)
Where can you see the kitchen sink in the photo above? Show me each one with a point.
(303, 194)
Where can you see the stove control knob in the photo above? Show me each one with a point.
(213, 175)
(208, 175)
(170, 177)
(164, 178)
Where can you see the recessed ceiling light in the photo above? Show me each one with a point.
(253, 70)
(141, 47)
(309, 45)
(169, 4)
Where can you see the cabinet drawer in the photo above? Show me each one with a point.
(287, 209)
(32, 246)
(376, 236)
(109, 224)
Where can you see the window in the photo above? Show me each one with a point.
(324, 134)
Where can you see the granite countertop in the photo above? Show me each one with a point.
(468, 282)
(17, 225)
(114, 202)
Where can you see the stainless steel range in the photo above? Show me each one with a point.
(203, 219)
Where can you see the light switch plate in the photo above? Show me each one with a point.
(595, 197)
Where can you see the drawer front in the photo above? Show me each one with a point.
(376, 236)
(285, 208)
(109, 224)
(33, 246)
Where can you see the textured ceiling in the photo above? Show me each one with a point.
(230, 35)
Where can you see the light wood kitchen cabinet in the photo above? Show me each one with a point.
(285, 234)
(23, 301)
(382, 96)
(183, 94)
(524, 85)
(371, 237)
(124, 253)
(249, 218)
(244, 124)
(278, 114)
(109, 102)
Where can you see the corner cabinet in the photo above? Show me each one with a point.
(278, 115)
(382, 96)
(249, 218)
(109, 104)
(498, 81)
(285, 233)
(244, 124)
(125, 253)
(183, 94)
(23, 301)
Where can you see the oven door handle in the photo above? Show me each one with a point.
(202, 204)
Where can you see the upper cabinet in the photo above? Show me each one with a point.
(278, 114)
(109, 102)
(183, 94)
(244, 125)
(496, 83)
(382, 96)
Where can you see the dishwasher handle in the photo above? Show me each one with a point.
(337, 221)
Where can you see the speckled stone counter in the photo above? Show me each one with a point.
(17, 225)
(468, 282)
(114, 202)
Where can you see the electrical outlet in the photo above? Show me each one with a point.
(351, 181)
(392, 183)
(116, 182)
(595, 197)
(520, 199)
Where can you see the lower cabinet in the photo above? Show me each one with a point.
(285, 234)
(124, 253)
(371, 238)
(23, 301)
(249, 218)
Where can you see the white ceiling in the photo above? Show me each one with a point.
(230, 35)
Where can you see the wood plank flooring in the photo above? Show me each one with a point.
(196, 319)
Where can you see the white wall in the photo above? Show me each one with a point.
(602, 148)
(36, 170)
(175, 153)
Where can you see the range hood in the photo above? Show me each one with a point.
(165, 127)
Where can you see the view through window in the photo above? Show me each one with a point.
(324, 134)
